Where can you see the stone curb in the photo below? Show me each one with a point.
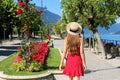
(4, 76)
(41, 76)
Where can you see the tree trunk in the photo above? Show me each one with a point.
(90, 40)
(101, 46)
(19, 33)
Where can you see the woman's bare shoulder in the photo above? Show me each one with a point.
(81, 38)
(65, 38)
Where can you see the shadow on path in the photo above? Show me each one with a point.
(91, 71)
(6, 50)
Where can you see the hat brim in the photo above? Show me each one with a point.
(74, 33)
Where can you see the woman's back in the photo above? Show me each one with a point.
(73, 43)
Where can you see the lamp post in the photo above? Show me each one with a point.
(4, 33)
(41, 3)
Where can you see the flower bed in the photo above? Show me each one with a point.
(36, 55)
(51, 64)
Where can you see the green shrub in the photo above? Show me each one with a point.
(19, 66)
(34, 66)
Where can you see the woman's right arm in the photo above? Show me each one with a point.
(63, 55)
(83, 54)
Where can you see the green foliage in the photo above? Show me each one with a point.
(43, 32)
(7, 11)
(19, 66)
(91, 13)
(34, 66)
(60, 28)
(15, 30)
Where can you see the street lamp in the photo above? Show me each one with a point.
(4, 33)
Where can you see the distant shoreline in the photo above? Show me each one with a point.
(108, 38)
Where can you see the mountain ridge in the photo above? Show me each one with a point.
(48, 16)
(113, 29)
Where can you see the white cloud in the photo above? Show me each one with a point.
(118, 20)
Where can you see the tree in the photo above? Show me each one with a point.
(92, 13)
(7, 15)
(29, 16)
(60, 28)
(30, 19)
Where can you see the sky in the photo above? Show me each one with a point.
(118, 20)
(52, 5)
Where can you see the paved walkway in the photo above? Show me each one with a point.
(97, 68)
(8, 47)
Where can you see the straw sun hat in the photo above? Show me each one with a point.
(74, 28)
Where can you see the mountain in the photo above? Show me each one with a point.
(49, 17)
(113, 29)
(118, 32)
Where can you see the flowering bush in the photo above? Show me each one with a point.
(40, 52)
(19, 11)
(31, 53)
(37, 54)
(22, 4)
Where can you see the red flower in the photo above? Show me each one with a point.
(19, 11)
(28, 31)
(22, 4)
(41, 51)
(17, 59)
(41, 11)
(19, 47)
(23, 28)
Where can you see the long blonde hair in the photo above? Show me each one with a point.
(72, 42)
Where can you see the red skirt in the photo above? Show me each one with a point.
(73, 65)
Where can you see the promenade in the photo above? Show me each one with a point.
(97, 68)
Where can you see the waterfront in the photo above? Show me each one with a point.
(115, 38)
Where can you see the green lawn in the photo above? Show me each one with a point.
(52, 63)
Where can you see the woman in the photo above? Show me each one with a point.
(74, 50)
